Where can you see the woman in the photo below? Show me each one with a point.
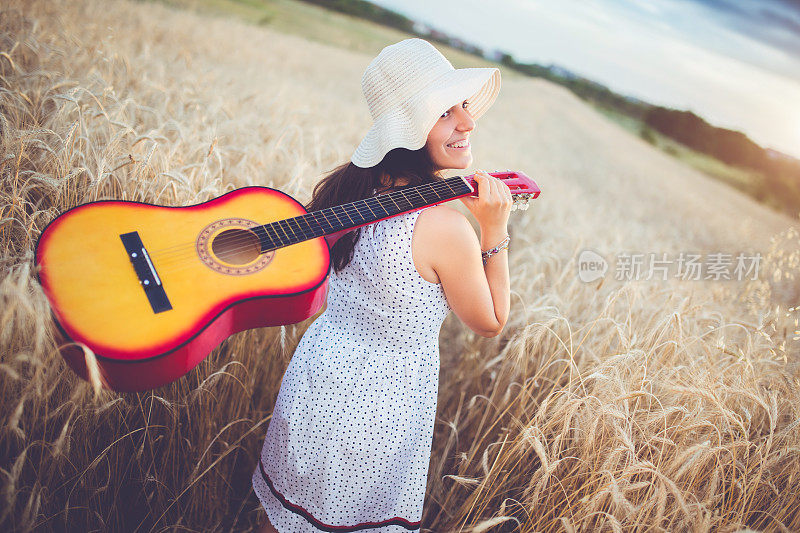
(349, 442)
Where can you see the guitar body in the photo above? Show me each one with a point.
(151, 290)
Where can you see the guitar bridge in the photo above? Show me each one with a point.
(146, 272)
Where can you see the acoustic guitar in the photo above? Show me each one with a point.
(151, 290)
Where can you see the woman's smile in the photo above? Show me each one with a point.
(459, 145)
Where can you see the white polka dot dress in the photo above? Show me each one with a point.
(349, 442)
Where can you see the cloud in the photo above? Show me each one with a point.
(776, 22)
(788, 34)
(764, 33)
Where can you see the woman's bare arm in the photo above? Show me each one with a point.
(446, 249)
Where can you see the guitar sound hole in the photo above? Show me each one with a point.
(236, 246)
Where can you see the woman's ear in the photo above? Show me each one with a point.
(385, 179)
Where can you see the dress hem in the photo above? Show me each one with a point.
(396, 521)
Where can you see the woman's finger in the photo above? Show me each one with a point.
(502, 193)
(506, 190)
(484, 185)
(497, 193)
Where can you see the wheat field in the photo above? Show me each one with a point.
(605, 406)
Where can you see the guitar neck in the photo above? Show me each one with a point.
(333, 221)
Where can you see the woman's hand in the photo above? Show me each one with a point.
(492, 206)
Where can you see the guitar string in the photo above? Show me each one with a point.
(187, 264)
(318, 224)
(455, 179)
(391, 196)
(283, 230)
(192, 258)
(315, 221)
(396, 195)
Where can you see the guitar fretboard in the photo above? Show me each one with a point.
(354, 214)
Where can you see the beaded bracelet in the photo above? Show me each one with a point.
(491, 251)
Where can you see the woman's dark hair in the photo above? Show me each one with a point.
(348, 183)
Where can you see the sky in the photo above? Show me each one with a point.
(735, 63)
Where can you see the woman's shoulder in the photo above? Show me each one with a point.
(443, 223)
(442, 237)
(443, 214)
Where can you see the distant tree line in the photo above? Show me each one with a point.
(780, 173)
(367, 10)
(779, 182)
(393, 19)
(583, 87)
(731, 147)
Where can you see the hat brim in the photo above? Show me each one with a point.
(408, 125)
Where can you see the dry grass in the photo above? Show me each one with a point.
(668, 406)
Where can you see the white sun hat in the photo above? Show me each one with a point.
(407, 87)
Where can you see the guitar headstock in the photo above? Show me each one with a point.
(523, 189)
